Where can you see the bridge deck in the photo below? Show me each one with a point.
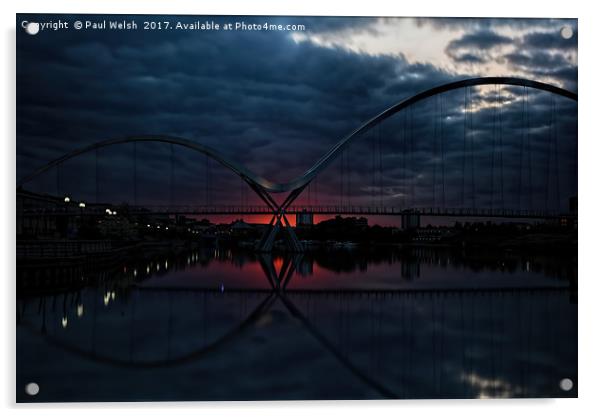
(321, 210)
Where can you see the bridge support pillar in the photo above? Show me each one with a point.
(266, 243)
(410, 220)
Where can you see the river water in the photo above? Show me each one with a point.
(345, 324)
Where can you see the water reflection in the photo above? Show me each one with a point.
(227, 325)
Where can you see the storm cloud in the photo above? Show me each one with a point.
(275, 104)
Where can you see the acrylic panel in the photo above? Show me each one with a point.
(295, 208)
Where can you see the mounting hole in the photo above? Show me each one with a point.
(566, 32)
(32, 28)
(566, 384)
(32, 389)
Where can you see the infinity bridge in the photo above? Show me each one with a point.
(480, 147)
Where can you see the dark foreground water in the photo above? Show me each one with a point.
(223, 325)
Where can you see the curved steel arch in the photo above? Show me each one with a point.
(238, 169)
(262, 185)
(303, 180)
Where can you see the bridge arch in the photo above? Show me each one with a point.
(302, 181)
(195, 355)
(238, 169)
(262, 185)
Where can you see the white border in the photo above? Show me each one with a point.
(590, 152)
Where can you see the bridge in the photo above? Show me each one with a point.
(480, 147)
(100, 209)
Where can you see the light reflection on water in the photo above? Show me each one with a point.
(234, 325)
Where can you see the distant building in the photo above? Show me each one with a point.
(37, 216)
(240, 228)
(117, 227)
(568, 221)
(305, 219)
(410, 221)
(571, 219)
(359, 222)
(194, 226)
(345, 222)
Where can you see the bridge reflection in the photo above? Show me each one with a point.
(430, 342)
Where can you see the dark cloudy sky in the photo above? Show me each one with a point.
(277, 101)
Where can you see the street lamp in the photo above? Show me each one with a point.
(67, 199)
(82, 204)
